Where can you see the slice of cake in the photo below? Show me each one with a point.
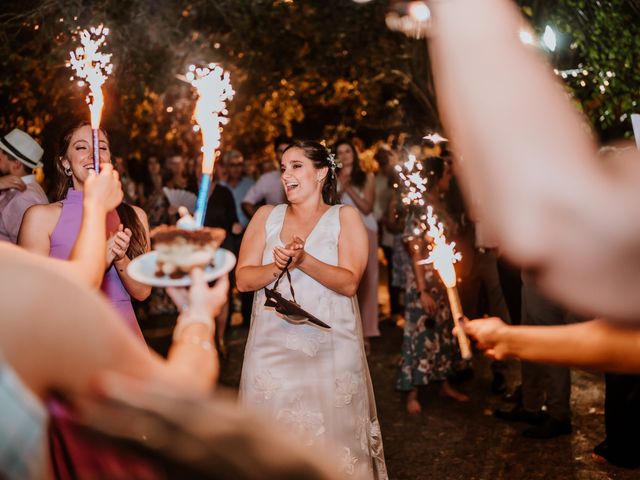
(180, 250)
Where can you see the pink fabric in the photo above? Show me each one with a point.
(62, 240)
(13, 205)
(75, 454)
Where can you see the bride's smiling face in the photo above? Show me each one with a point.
(299, 177)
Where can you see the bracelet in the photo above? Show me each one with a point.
(204, 344)
(189, 318)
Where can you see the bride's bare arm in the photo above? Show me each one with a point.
(352, 257)
(251, 275)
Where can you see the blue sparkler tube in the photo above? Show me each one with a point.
(203, 196)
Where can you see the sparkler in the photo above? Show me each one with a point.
(435, 137)
(443, 255)
(93, 67)
(413, 18)
(214, 89)
(414, 184)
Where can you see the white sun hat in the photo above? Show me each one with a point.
(22, 147)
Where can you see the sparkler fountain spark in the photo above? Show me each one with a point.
(214, 89)
(443, 255)
(413, 183)
(93, 67)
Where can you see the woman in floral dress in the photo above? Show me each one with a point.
(429, 349)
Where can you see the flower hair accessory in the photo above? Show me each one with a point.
(334, 162)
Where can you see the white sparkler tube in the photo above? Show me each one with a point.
(635, 123)
(96, 149)
(456, 313)
(447, 273)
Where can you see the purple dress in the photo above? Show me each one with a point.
(62, 240)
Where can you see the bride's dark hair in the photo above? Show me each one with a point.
(321, 158)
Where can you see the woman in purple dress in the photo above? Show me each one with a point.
(52, 229)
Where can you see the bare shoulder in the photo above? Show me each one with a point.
(37, 226)
(262, 214)
(348, 215)
(351, 221)
(44, 214)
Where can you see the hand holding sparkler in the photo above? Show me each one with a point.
(94, 67)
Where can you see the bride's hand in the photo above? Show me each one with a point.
(293, 250)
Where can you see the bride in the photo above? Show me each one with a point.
(314, 380)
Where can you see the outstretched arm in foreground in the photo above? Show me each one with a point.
(50, 314)
(102, 193)
(596, 344)
(530, 162)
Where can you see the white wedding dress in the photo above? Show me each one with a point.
(314, 381)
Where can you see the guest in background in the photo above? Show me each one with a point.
(19, 155)
(237, 182)
(542, 385)
(482, 282)
(192, 167)
(51, 230)
(358, 188)
(221, 213)
(159, 311)
(387, 159)
(239, 185)
(250, 169)
(152, 198)
(429, 349)
(268, 189)
(176, 175)
(129, 186)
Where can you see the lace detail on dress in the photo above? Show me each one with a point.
(266, 385)
(305, 341)
(370, 437)
(347, 385)
(348, 462)
(373, 435)
(307, 423)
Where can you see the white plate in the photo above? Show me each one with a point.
(143, 269)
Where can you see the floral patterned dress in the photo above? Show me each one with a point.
(429, 349)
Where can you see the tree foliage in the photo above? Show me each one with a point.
(320, 69)
(599, 53)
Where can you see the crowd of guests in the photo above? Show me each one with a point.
(578, 305)
(418, 301)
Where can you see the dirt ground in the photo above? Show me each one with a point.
(451, 440)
